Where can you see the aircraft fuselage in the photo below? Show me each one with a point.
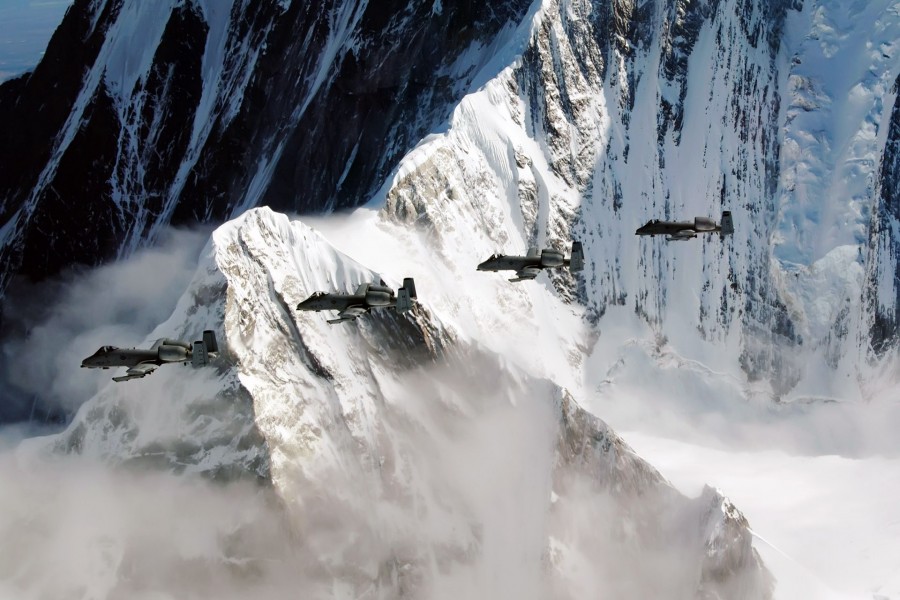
(108, 357)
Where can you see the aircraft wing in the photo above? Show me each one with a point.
(136, 372)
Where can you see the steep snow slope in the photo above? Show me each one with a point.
(146, 114)
(561, 144)
(609, 114)
(612, 114)
(409, 462)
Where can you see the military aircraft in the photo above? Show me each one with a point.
(686, 230)
(530, 265)
(141, 362)
(366, 297)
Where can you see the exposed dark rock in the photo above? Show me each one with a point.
(330, 95)
(884, 244)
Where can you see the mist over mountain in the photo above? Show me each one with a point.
(466, 449)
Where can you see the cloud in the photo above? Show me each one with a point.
(445, 489)
(457, 494)
(50, 327)
(74, 528)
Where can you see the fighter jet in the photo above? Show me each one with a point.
(142, 362)
(366, 297)
(686, 230)
(529, 266)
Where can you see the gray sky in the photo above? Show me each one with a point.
(25, 29)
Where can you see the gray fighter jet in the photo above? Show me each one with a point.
(529, 266)
(141, 362)
(366, 297)
(678, 231)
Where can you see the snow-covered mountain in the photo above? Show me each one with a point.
(456, 450)
(145, 114)
(604, 115)
(408, 461)
(559, 144)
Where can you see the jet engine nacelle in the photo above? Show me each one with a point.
(552, 258)
(704, 224)
(377, 295)
(172, 353)
(171, 342)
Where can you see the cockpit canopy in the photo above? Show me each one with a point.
(105, 349)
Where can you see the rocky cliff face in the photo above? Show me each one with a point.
(883, 264)
(142, 116)
(742, 97)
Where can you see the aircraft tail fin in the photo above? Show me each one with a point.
(200, 354)
(406, 295)
(410, 285)
(576, 263)
(201, 349)
(727, 223)
(209, 338)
